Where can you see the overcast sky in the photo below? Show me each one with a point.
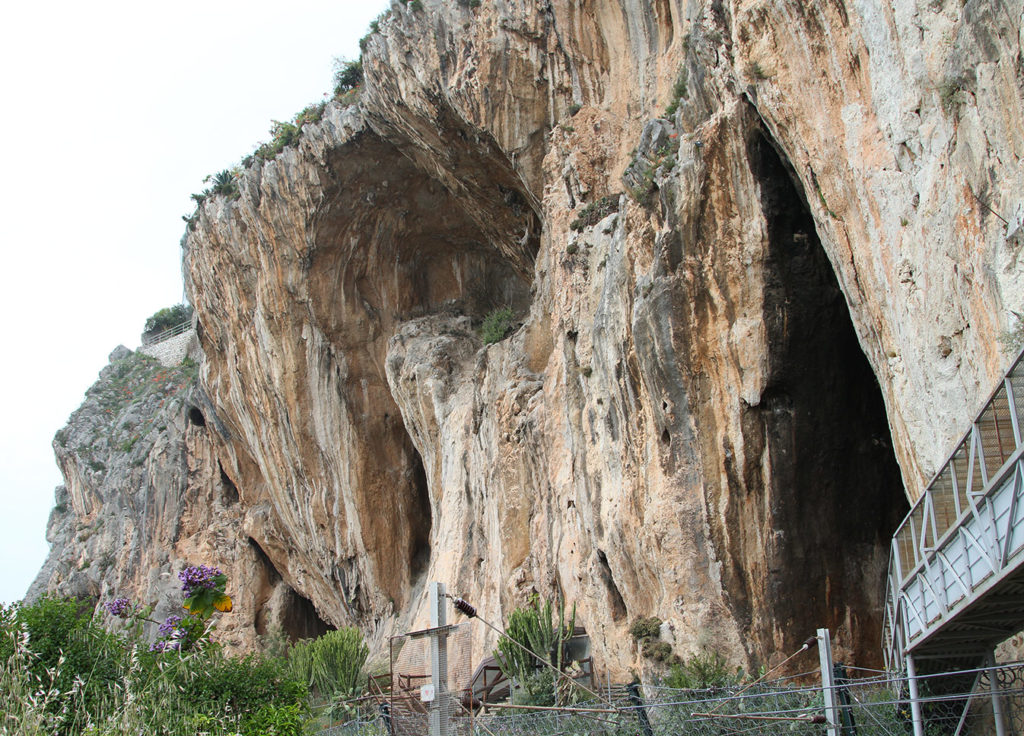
(113, 114)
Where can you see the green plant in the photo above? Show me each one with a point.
(330, 665)
(679, 92)
(703, 670)
(533, 628)
(574, 108)
(167, 318)
(594, 212)
(646, 628)
(659, 651)
(756, 71)
(283, 134)
(496, 325)
(571, 248)
(225, 183)
(348, 75)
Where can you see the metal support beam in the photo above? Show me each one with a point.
(440, 705)
(828, 685)
(915, 697)
(993, 689)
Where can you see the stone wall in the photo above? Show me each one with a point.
(173, 350)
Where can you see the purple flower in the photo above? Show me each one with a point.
(163, 646)
(196, 577)
(169, 626)
(119, 607)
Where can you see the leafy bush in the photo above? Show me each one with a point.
(167, 318)
(282, 136)
(347, 76)
(55, 645)
(496, 325)
(330, 665)
(646, 628)
(702, 671)
(62, 673)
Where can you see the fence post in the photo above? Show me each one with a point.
(440, 705)
(828, 689)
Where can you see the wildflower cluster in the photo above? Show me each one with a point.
(196, 578)
(120, 608)
(179, 634)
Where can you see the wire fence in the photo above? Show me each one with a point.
(875, 705)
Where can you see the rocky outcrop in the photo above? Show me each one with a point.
(144, 497)
(762, 261)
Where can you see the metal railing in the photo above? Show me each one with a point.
(167, 334)
(958, 533)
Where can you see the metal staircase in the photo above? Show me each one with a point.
(956, 570)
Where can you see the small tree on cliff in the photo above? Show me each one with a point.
(166, 319)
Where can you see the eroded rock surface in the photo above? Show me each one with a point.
(721, 387)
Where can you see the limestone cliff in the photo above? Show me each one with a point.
(761, 255)
(144, 497)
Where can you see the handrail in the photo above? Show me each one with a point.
(978, 469)
(178, 329)
(920, 505)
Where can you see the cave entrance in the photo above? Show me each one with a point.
(835, 490)
(279, 608)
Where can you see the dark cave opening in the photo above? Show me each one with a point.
(293, 614)
(229, 491)
(195, 416)
(835, 493)
(422, 521)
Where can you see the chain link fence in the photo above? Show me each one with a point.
(876, 704)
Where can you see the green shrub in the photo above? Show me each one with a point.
(167, 318)
(646, 628)
(496, 325)
(331, 665)
(68, 653)
(679, 92)
(702, 671)
(282, 136)
(225, 183)
(594, 212)
(347, 76)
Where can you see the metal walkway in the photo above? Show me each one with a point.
(956, 571)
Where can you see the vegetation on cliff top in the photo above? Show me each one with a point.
(167, 318)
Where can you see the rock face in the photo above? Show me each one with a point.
(145, 497)
(763, 262)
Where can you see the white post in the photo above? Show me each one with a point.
(993, 689)
(439, 706)
(828, 686)
(915, 697)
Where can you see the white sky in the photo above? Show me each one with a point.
(113, 112)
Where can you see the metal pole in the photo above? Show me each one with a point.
(439, 706)
(827, 683)
(915, 697)
(993, 689)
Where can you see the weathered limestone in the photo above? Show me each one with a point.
(719, 392)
